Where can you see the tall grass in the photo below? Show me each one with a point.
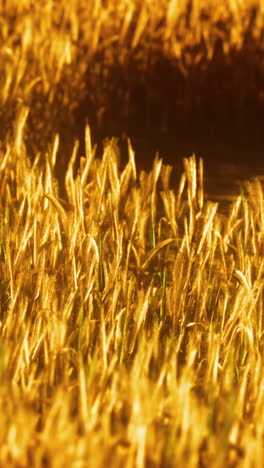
(131, 316)
(131, 312)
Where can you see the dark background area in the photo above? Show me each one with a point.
(213, 109)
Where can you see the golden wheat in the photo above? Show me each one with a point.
(131, 310)
(131, 317)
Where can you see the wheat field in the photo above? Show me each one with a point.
(131, 311)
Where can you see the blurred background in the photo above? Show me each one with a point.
(175, 76)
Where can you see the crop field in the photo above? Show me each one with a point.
(131, 310)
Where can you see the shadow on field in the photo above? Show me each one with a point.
(217, 106)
